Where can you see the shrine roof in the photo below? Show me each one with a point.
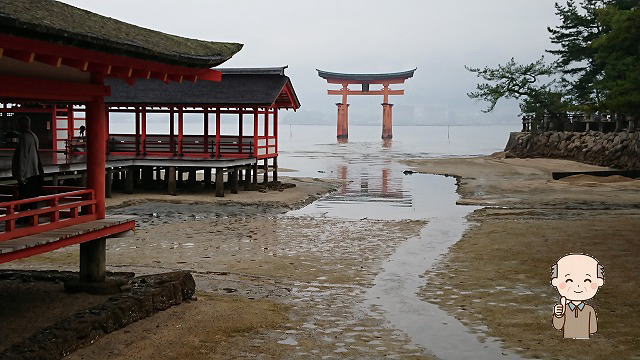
(57, 22)
(239, 87)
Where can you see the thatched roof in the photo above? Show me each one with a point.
(54, 21)
(239, 87)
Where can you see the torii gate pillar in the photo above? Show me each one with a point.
(387, 121)
(365, 80)
(343, 121)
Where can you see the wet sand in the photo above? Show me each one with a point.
(496, 278)
(269, 286)
(527, 183)
(272, 285)
(304, 191)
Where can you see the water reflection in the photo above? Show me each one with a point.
(374, 186)
(366, 185)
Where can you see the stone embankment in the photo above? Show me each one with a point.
(142, 297)
(620, 150)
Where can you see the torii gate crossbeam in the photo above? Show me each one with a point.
(365, 81)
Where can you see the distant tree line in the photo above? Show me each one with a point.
(596, 67)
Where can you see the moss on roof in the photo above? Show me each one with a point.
(58, 22)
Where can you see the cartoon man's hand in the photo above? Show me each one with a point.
(558, 310)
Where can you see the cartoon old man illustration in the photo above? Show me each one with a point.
(577, 278)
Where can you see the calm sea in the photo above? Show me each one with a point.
(307, 147)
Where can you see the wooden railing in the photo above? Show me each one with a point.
(267, 147)
(193, 146)
(578, 122)
(65, 206)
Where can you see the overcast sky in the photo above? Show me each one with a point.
(437, 37)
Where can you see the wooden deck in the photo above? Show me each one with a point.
(71, 235)
(54, 163)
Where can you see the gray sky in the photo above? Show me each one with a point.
(437, 37)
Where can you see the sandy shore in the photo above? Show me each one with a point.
(527, 183)
(269, 285)
(496, 278)
(305, 191)
(277, 286)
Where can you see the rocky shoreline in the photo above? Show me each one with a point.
(620, 150)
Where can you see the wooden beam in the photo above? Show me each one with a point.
(371, 92)
(20, 45)
(22, 55)
(358, 82)
(81, 65)
(55, 61)
(33, 88)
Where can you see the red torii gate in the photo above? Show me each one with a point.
(365, 80)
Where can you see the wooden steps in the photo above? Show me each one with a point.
(65, 233)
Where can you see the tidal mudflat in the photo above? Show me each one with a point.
(381, 258)
(496, 279)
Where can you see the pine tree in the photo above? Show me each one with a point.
(618, 53)
(533, 84)
(598, 64)
(576, 57)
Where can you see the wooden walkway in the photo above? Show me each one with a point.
(71, 235)
(53, 163)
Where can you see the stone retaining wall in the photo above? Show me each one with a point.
(620, 150)
(145, 296)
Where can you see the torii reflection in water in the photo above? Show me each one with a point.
(368, 187)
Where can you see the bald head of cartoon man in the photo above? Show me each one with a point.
(577, 278)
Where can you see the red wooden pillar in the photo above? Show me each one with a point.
(275, 136)
(70, 129)
(275, 127)
(266, 123)
(180, 129)
(143, 130)
(387, 121)
(172, 144)
(138, 146)
(96, 149)
(218, 115)
(387, 114)
(343, 121)
(106, 123)
(255, 132)
(343, 113)
(70, 123)
(54, 127)
(240, 130)
(206, 131)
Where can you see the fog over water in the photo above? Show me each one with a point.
(437, 37)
